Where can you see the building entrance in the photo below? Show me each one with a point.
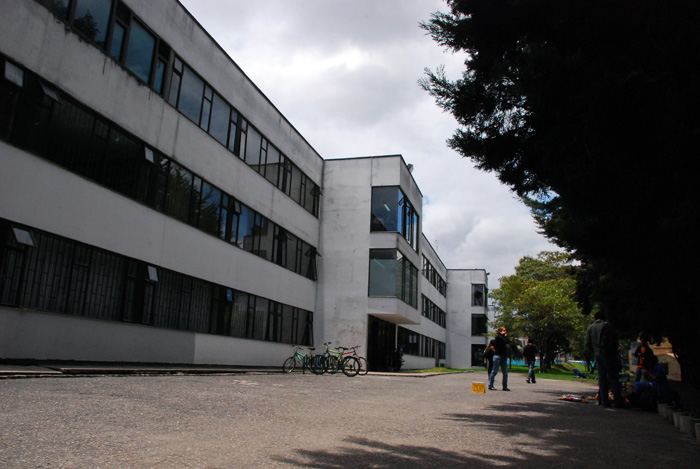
(380, 344)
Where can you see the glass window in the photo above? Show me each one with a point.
(139, 54)
(177, 199)
(295, 184)
(287, 324)
(14, 74)
(382, 272)
(220, 119)
(209, 211)
(23, 236)
(479, 324)
(310, 203)
(233, 126)
(272, 168)
(244, 237)
(252, 148)
(60, 7)
(175, 81)
(191, 93)
(92, 18)
(117, 42)
(206, 108)
(384, 209)
(478, 295)
(240, 315)
(160, 75)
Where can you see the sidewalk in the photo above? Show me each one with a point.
(58, 369)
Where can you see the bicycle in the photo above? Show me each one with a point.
(337, 360)
(315, 363)
(364, 366)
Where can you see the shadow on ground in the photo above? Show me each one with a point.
(552, 433)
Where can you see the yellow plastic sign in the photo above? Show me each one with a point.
(479, 388)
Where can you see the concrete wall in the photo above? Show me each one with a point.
(459, 315)
(46, 336)
(343, 301)
(38, 193)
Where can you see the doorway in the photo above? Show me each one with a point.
(381, 343)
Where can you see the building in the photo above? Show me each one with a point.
(155, 206)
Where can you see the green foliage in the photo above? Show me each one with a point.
(538, 301)
(589, 112)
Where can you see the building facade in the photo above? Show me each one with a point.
(155, 206)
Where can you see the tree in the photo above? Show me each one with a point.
(589, 112)
(539, 302)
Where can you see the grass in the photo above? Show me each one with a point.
(563, 371)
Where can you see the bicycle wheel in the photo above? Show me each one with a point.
(332, 364)
(289, 365)
(350, 366)
(364, 366)
(318, 365)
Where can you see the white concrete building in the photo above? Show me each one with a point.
(155, 206)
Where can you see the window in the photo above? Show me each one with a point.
(478, 355)
(391, 274)
(191, 94)
(40, 119)
(434, 277)
(384, 209)
(92, 19)
(479, 295)
(14, 74)
(382, 272)
(479, 324)
(65, 276)
(220, 120)
(139, 55)
(392, 211)
(417, 344)
(23, 236)
(431, 311)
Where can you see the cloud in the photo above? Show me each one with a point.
(345, 75)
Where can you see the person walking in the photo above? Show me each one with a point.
(500, 358)
(530, 353)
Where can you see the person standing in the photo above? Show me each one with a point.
(530, 353)
(500, 358)
(488, 356)
(600, 340)
(642, 353)
(593, 345)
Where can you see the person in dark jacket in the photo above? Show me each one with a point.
(488, 357)
(530, 353)
(500, 358)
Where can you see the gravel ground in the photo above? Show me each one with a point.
(277, 420)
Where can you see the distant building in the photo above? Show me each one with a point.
(156, 207)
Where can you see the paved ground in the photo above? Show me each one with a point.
(277, 420)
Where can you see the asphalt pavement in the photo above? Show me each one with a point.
(260, 418)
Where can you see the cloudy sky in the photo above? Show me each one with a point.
(345, 74)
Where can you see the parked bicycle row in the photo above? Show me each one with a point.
(332, 360)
